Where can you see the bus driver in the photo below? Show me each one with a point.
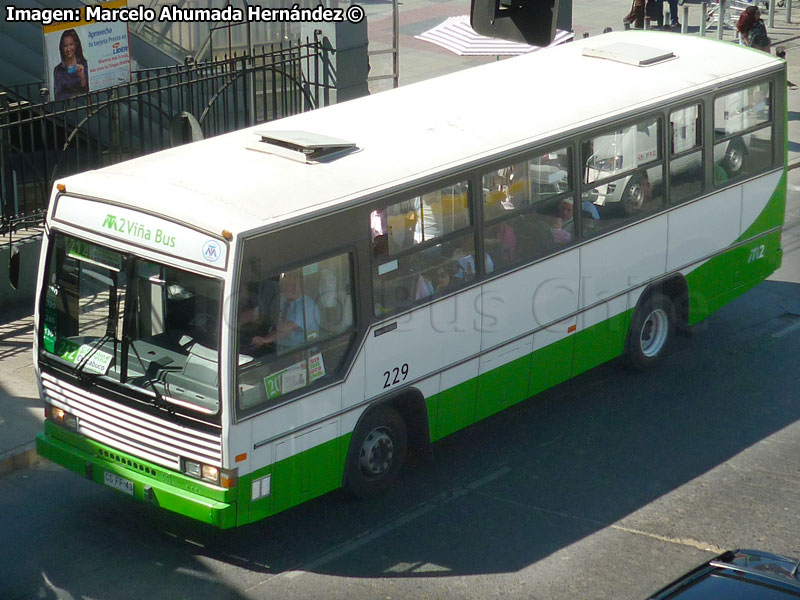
(293, 327)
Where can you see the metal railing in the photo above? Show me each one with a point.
(41, 142)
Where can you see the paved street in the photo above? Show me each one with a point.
(607, 486)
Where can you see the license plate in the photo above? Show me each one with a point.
(118, 483)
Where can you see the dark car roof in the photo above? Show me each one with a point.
(738, 575)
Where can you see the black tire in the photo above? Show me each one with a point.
(377, 452)
(735, 156)
(634, 195)
(650, 332)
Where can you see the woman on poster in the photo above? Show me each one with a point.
(71, 75)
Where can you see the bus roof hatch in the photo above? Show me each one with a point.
(630, 54)
(302, 146)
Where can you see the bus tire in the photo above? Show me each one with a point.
(650, 332)
(377, 452)
(735, 155)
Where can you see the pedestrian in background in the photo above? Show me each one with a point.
(673, 13)
(658, 10)
(752, 30)
(636, 16)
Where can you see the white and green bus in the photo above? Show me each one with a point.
(232, 327)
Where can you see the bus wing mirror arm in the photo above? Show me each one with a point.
(14, 258)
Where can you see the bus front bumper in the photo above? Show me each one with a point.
(135, 485)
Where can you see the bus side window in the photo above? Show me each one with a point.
(686, 171)
(422, 247)
(295, 329)
(743, 130)
(516, 230)
(623, 176)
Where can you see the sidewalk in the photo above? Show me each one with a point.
(21, 413)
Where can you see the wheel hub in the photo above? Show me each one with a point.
(377, 453)
(655, 330)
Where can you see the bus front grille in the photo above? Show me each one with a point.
(128, 430)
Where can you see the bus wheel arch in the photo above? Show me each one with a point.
(380, 443)
(661, 310)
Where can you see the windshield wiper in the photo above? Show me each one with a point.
(159, 401)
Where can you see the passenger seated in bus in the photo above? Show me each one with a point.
(559, 217)
(503, 233)
(467, 262)
(257, 309)
(294, 324)
(250, 313)
(380, 246)
(443, 278)
(425, 287)
(534, 236)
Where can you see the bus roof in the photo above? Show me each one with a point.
(416, 131)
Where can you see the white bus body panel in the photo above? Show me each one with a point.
(426, 339)
(755, 195)
(609, 266)
(687, 242)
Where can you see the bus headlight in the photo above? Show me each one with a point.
(210, 473)
(61, 417)
(222, 477)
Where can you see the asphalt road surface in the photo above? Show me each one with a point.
(608, 486)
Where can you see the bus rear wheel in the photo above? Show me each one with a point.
(650, 332)
(377, 452)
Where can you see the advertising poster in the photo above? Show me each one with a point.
(83, 56)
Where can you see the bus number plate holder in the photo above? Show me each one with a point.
(118, 483)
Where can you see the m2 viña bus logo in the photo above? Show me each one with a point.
(134, 229)
(211, 251)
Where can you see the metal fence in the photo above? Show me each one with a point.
(40, 142)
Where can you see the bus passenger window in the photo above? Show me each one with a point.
(294, 328)
(743, 133)
(422, 247)
(537, 218)
(623, 176)
(686, 172)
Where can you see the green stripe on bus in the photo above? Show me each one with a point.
(294, 480)
(728, 275)
(501, 387)
(600, 343)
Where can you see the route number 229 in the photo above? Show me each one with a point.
(395, 376)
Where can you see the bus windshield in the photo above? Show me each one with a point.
(112, 315)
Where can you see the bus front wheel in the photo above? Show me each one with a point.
(651, 330)
(377, 451)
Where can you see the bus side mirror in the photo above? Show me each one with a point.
(527, 21)
(13, 266)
